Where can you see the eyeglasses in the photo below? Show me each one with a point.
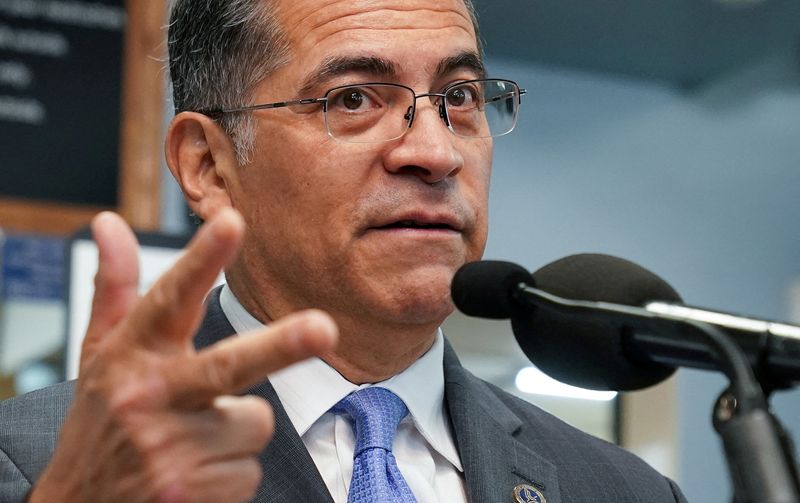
(377, 112)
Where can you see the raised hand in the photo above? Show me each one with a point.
(153, 420)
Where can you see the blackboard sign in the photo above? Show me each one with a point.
(60, 89)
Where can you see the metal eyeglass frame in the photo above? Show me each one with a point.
(409, 115)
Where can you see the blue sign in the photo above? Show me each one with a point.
(32, 267)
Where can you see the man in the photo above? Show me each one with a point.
(340, 155)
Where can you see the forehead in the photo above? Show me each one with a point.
(319, 29)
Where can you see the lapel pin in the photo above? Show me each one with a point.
(524, 493)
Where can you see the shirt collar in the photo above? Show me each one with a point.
(309, 389)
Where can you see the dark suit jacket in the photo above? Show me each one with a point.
(503, 441)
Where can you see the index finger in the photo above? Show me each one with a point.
(238, 362)
(171, 310)
(117, 278)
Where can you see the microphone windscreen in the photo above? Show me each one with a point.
(603, 278)
(484, 289)
(586, 352)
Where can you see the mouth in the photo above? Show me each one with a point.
(420, 223)
(416, 224)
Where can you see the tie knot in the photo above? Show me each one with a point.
(376, 412)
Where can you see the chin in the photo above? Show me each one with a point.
(420, 303)
(424, 313)
(409, 290)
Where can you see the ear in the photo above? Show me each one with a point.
(202, 158)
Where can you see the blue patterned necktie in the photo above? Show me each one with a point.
(376, 412)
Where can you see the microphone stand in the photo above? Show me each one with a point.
(758, 451)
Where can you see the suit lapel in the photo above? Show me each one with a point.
(494, 461)
(485, 428)
(289, 472)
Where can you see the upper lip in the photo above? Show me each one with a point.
(424, 218)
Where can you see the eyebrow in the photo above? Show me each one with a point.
(336, 66)
(383, 68)
(468, 60)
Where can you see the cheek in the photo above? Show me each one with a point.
(284, 170)
(479, 183)
(478, 242)
(302, 188)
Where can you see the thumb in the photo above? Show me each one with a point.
(117, 279)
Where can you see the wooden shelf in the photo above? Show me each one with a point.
(45, 218)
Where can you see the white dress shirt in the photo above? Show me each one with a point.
(424, 447)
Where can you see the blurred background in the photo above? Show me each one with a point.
(666, 132)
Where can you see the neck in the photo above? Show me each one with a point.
(368, 352)
(374, 354)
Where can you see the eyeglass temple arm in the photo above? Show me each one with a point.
(280, 104)
(507, 95)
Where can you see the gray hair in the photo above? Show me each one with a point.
(219, 50)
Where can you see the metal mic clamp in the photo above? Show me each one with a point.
(760, 463)
(758, 452)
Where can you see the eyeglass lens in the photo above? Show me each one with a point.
(381, 112)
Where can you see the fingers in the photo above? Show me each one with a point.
(172, 308)
(233, 426)
(163, 452)
(159, 406)
(247, 424)
(231, 481)
(117, 278)
(221, 445)
(238, 362)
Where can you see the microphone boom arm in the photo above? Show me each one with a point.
(660, 335)
(760, 460)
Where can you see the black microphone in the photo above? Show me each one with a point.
(605, 323)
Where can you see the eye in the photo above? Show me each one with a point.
(466, 96)
(355, 99)
(457, 97)
(352, 99)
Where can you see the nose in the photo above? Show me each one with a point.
(428, 150)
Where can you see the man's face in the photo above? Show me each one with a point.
(371, 231)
